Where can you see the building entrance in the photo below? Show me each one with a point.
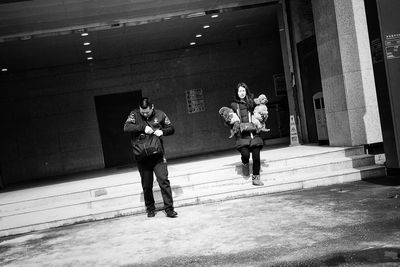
(112, 111)
(311, 82)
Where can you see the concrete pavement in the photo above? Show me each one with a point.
(354, 224)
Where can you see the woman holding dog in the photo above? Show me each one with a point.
(247, 139)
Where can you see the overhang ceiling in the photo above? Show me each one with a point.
(47, 33)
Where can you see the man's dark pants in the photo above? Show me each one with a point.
(159, 167)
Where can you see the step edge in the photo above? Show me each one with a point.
(123, 212)
(271, 172)
(320, 175)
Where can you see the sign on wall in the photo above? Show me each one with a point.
(392, 45)
(195, 100)
(279, 84)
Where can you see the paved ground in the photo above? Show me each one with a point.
(356, 224)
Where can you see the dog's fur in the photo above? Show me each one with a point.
(260, 113)
(230, 118)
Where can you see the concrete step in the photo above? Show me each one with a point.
(273, 157)
(202, 180)
(288, 156)
(181, 182)
(223, 190)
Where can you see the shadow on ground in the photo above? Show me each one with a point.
(388, 256)
(386, 181)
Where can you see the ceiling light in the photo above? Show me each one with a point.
(214, 16)
(86, 43)
(192, 43)
(89, 58)
(4, 69)
(84, 34)
(198, 35)
(26, 37)
(88, 51)
(206, 26)
(198, 14)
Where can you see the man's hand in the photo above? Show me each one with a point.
(148, 130)
(158, 133)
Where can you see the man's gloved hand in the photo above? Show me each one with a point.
(158, 133)
(148, 130)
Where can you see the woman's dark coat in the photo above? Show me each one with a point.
(245, 139)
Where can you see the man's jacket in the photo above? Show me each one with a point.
(136, 123)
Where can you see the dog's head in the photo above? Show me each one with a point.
(262, 99)
(224, 111)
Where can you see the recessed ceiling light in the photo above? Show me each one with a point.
(206, 26)
(214, 16)
(89, 58)
(86, 43)
(198, 35)
(88, 51)
(26, 37)
(198, 14)
(84, 34)
(192, 43)
(4, 69)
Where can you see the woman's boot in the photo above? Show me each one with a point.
(246, 170)
(256, 180)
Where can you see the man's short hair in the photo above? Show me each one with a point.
(145, 103)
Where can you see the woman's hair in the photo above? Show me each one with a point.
(249, 96)
(145, 103)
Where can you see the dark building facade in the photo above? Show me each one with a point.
(72, 71)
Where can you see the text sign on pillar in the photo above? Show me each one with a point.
(294, 138)
(392, 45)
(195, 100)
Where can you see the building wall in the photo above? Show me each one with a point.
(48, 117)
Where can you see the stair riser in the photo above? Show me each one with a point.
(66, 212)
(230, 173)
(49, 220)
(190, 192)
(242, 184)
(135, 178)
(64, 200)
(208, 180)
(334, 166)
(271, 163)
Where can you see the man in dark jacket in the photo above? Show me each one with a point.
(147, 121)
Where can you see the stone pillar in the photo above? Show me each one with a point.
(347, 77)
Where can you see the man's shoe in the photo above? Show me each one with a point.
(256, 180)
(246, 170)
(171, 214)
(151, 214)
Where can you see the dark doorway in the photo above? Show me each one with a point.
(112, 111)
(311, 81)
